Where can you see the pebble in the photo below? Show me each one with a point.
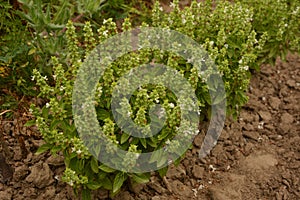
(198, 172)
(251, 134)
(41, 175)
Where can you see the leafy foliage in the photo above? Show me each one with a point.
(229, 32)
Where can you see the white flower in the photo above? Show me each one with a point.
(171, 105)
(172, 5)
(32, 78)
(47, 105)
(78, 151)
(241, 61)
(260, 125)
(73, 149)
(61, 88)
(189, 60)
(105, 33)
(71, 183)
(245, 68)
(212, 168)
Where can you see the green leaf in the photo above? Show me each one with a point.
(162, 160)
(164, 133)
(30, 123)
(54, 123)
(124, 137)
(103, 114)
(94, 165)
(156, 156)
(118, 181)
(31, 51)
(141, 178)
(73, 164)
(81, 164)
(86, 194)
(163, 171)
(107, 184)
(45, 112)
(106, 169)
(143, 142)
(43, 148)
(55, 149)
(94, 185)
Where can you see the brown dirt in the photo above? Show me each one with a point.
(257, 156)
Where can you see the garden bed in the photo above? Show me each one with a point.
(257, 156)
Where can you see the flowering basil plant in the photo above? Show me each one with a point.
(233, 39)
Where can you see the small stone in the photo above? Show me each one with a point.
(30, 193)
(136, 187)
(264, 161)
(155, 198)
(158, 188)
(286, 118)
(41, 175)
(175, 172)
(6, 194)
(20, 172)
(6, 171)
(265, 115)
(198, 140)
(198, 171)
(55, 160)
(18, 153)
(251, 134)
(216, 194)
(180, 189)
(124, 196)
(48, 194)
(291, 83)
(274, 102)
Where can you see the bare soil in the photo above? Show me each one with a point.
(257, 156)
